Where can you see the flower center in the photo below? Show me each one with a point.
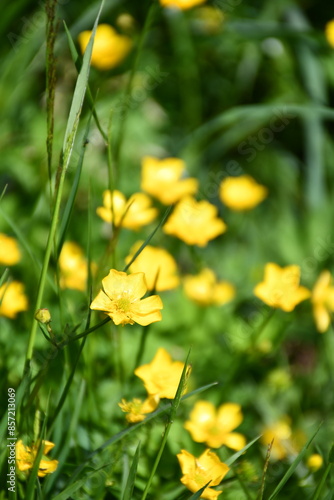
(124, 304)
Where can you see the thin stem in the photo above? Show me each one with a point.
(175, 404)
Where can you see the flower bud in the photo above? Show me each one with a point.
(43, 316)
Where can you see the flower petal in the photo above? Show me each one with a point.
(235, 441)
(229, 416)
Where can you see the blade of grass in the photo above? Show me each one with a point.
(293, 466)
(175, 404)
(320, 486)
(33, 478)
(128, 490)
(238, 454)
(70, 133)
(4, 276)
(66, 442)
(78, 63)
(198, 493)
(74, 189)
(265, 468)
(78, 484)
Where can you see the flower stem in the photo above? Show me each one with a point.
(175, 404)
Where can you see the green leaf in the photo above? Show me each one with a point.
(128, 490)
(198, 493)
(238, 454)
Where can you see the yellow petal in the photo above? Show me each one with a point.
(322, 317)
(235, 441)
(229, 416)
(101, 302)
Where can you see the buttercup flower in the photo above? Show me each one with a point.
(137, 409)
(109, 47)
(9, 251)
(281, 433)
(120, 299)
(323, 301)
(242, 193)
(162, 376)
(197, 472)
(194, 222)
(213, 426)
(12, 299)
(163, 179)
(315, 462)
(158, 265)
(280, 287)
(205, 290)
(73, 267)
(329, 32)
(26, 456)
(181, 4)
(131, 214)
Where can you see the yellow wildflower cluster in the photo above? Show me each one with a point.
(26, 456)
(161, 379)
(197, 472)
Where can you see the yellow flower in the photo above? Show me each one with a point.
(12, 299)
(9, 250)
(323, 301)
(329, 32)
(280, 287)
(194, 222)
(213, 426)
(181, 4)
(109, 47)
(197, 472)
(281, 433)
(120, 299)
(73, 267)
(163, 179)
(25, 458)
(162, 376)
(315, 462)
(205, 290)
(137, 409)
(158, 265)
(131, 214)
(242, 193)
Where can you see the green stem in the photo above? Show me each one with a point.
(175, 404)
(45, 266)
